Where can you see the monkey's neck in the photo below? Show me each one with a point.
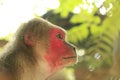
(38, 72)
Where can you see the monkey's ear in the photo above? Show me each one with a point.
(30, 39)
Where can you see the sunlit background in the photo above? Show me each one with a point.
(14, 12)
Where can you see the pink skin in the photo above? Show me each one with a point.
(59, 53)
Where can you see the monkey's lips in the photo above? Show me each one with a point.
(70, 57)
(69, 60)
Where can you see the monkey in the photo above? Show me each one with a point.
(38, 49)
(5, 74)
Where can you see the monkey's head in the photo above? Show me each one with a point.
(60, 53)
(47, 42)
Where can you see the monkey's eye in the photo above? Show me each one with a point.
(59, 36)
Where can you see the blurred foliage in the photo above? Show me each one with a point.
(4, 41)
(97, 32)
(7, 38)
(0, 49)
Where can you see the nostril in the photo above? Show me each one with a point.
(74, 49)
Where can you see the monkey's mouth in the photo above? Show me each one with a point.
(69, 60)
(69, 57)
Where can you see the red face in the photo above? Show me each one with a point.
(60, 53)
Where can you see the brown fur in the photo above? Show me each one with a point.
(18, 59)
